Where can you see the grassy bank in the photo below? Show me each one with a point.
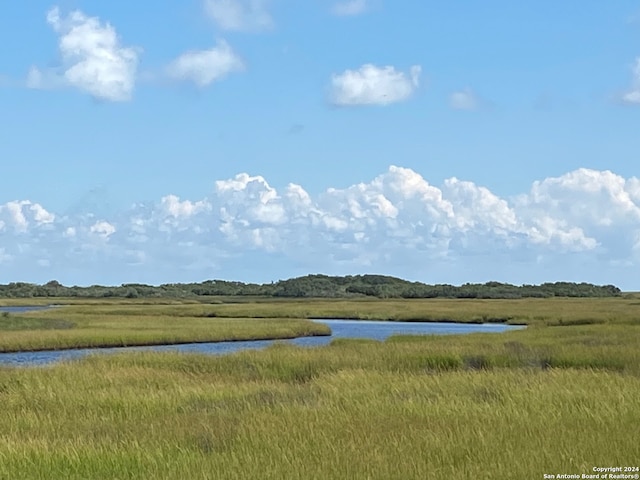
(514, 405)
(70, 328)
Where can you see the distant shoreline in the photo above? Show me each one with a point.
(313, 286)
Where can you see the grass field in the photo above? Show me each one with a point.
(558, 397)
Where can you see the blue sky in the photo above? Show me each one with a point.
(261, 139)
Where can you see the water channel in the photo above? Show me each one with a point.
(374, 330)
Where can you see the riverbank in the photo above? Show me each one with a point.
(68, 328)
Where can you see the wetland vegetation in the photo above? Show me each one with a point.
(559, 396)
(96, 326)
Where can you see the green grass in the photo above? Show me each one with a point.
(531, 311)
(70, 327)
(403, 409)
(16, 323)
(98, 323)
(558, 397)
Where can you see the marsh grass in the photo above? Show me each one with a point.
(558, 397)
(531, 311)
(410, 407)
(72, 328)
(13, 323)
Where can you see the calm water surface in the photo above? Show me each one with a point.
(339, 328)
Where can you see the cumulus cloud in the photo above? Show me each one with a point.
(249, 200)
(102, 229)
(395, 223)
(182, 209)
(633, 95)
(372, 85)
(239, 15)
(204, 67)
(93, 59)
(350, 7)
(596, 208)
(464, 100)
(19, 215)
(597, 198)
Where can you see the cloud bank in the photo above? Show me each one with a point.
(585, 223)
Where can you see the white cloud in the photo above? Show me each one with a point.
(585, 196)
(478, 208)
(102, 229)
(464, 100)
(21, 214)
(40, 215)
(596, 210)
(93, 59)
(249, 200)
(203, 67)
(396, 223)
(633, 95)
(185, 209)
(239, 15)
(557, 233)
(350, 7)
(372, 85)
(16, 215)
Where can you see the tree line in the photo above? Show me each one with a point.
(318, 286)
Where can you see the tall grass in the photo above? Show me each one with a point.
(62, 328)
(402, 409)
(558, 397)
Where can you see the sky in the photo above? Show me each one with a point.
(258, 140)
